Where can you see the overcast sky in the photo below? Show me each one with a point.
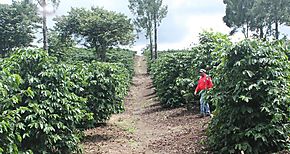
(180, 28)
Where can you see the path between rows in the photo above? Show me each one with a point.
(145, 127)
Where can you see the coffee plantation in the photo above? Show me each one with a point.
(45, 104)
(251, 93)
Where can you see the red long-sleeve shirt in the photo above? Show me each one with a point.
(204, 83)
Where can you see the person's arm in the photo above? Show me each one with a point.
(209, 83)
(197, 89)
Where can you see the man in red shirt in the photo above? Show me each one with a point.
(204, 83)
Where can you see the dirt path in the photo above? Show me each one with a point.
(145, 127)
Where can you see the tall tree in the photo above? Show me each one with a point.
(149, 14)
(18, 23)
(96, 28)
(159, 12)
(259, 19)
(278, 13)
(143, 20)
(259, 16)
(238, 15)
(44, 5)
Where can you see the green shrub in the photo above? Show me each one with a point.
(104, 85)
(175, 73)
(210, 49)
(10, 139)
(169, 75)
(48, 109)
(122, 56)
(44, 104)
(252, 100)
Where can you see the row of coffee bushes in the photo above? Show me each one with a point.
(45, 104)
(172, 74)
(122, 56)
(150, 60)
(175, 73)
(114, 55)
(251, 92)
(252, 99)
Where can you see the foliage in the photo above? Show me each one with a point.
(122, 56)
(252, 100)
(45, 104)
(149, 14)
(18, 24)
(266, 13)
(175, 73)
(60, 47)
(257, 15)
(115, 55)
(210, 49)
(287, 47)
(238, 15)
(43, 4)
(105, 86)
(48, 110)
(96, 28)
(172, 74)
(10, 140)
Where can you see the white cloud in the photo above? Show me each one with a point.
(197, 24)
(5, 1)
(186, 19)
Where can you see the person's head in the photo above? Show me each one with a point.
(202, 72)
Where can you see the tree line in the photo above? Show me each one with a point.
(95, 28)
(101, 29)
(261, 17)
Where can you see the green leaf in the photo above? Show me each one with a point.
(249, 73)
(245, 98)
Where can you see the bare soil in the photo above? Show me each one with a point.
(145, 127)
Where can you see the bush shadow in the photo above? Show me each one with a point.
(96, 138)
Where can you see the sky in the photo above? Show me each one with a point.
(178, 30)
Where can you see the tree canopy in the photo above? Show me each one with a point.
(148, 16)
(262, 17)
(18, 23)
(44, 12)
(96, 28)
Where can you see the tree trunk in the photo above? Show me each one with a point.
(244, 32)
(149, 31)
(247, 30)
(276, 29)
(261, 32)
(101, 53)
(155, 36)
(44, 26)
(151, 45)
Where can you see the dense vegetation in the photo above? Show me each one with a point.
(45, 104)
(172, 75)
(175, 71)
(18, 25)
(252, 100)
(251, 93)
(259, 18)
(49, 97)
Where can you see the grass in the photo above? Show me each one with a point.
(127, 125)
